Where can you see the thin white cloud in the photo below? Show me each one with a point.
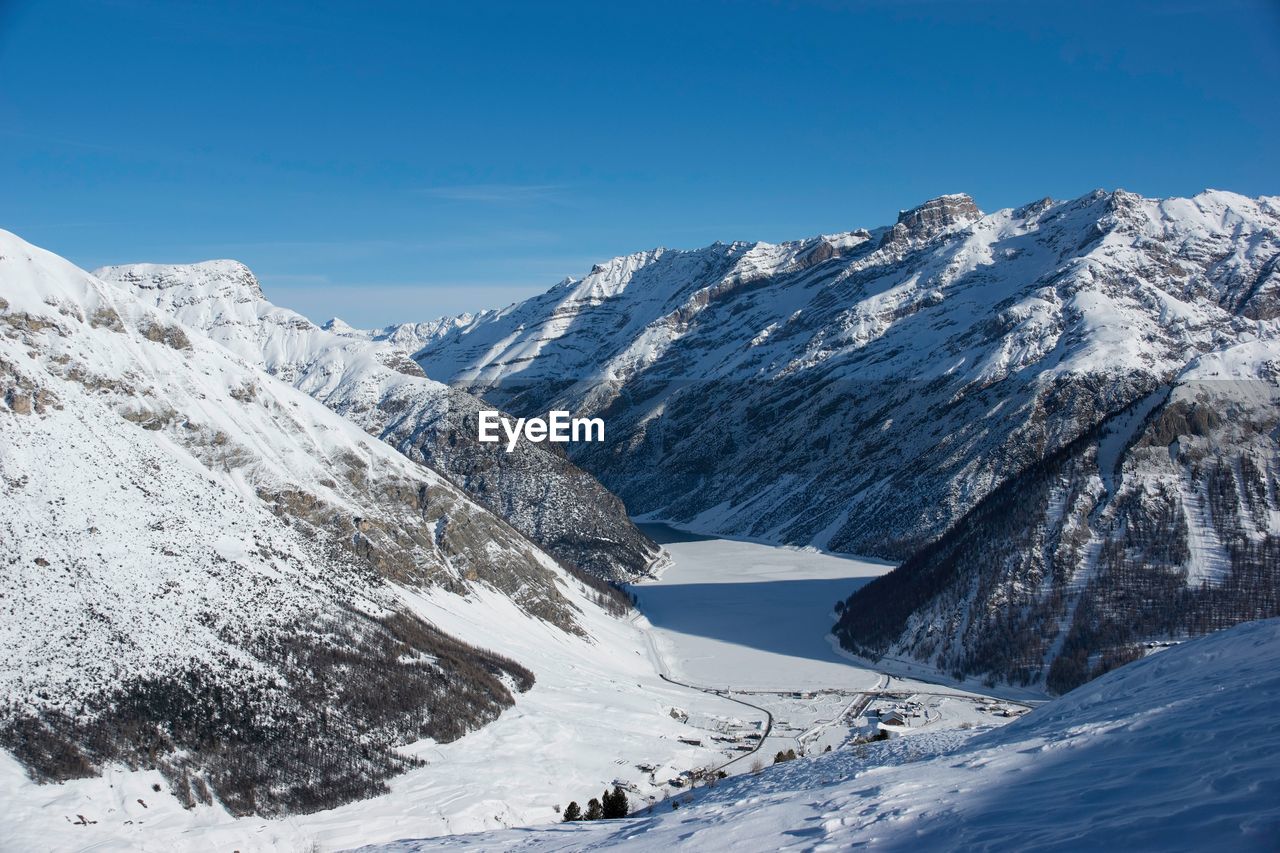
(345, 249)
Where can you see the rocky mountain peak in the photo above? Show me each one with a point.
(932, 218)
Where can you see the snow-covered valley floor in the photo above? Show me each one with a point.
(1182, 739)
(747, 620)
(731, 614)
(1175, 752)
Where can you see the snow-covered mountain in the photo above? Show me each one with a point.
(210, 573)
(1175, 752)
(407, 337)
(1062, 416)
(371, 382)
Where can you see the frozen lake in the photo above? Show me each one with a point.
(728, 613)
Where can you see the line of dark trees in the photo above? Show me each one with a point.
(609, 596)
(610, 806)
(324, 732)
(999, 581)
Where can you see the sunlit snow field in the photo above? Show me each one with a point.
(1172, 753)
(724, 613)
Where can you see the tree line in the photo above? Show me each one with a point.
(610, 806)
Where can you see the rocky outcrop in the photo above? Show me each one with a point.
(931, 219)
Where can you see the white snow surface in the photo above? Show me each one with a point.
(598, 709)
(336, 365)
(133, 533)
(369, 379)
(1174, 752)
(748, 615)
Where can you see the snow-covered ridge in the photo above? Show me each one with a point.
(371, 381)
(230, 279)
(870, 394)
(206, 567)
(406, 337)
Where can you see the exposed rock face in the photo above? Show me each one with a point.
(931, 219)
(378, 386)
(206, 571)
(876, 396)
(1159, 523)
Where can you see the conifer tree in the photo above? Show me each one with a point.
(615, 803)
(594, 810)
(572, 812)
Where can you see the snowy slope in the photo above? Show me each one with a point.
(1161, 524)
(995, 385)
(893, 347)
(1174, 752)
(210, 574)
(374, 384)
(598, 712)
(406, 337)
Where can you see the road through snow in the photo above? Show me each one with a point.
(746, 622)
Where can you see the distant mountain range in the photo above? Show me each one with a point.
(1062, 417)
(1063, 420)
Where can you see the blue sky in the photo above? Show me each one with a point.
(397, 161)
